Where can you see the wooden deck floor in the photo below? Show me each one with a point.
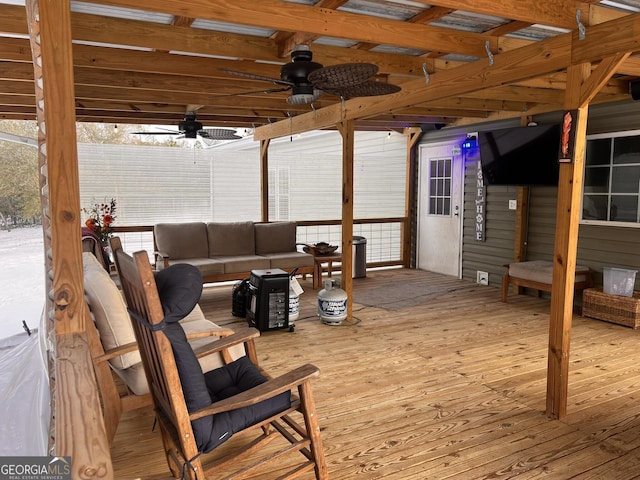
(445, 382)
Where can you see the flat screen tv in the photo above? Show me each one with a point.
(520, 156)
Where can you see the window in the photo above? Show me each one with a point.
(612, 179)
(440, 186)
(279, 194)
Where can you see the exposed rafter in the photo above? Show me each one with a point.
(130, 69)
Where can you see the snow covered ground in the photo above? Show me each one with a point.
(21, 279)
(24, 387)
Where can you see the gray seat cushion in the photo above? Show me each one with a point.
(182, 240)
(288, 260)
(230, 239)
(275, 237)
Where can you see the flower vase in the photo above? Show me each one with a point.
(107, 250)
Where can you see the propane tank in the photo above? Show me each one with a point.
(294, 307)
(295, 290)
(332, 303)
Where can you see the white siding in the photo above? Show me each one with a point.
(150, 184)
(154, 184)
(163, 184)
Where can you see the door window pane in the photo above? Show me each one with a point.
(440, 186)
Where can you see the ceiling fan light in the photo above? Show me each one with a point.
(304, 97)
(300, 98)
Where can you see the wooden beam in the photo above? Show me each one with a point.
(545, 12)
(530, 61)
(287, 41)
(535, 59)
(159, 37)
(600, 76)
(347, 133)
(326, 22)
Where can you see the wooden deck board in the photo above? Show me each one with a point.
(452, 387)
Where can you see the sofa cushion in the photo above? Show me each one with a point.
(182, 240)
(290, 260)
(109, 310)
(230, 238)
(244, 263)
(206, 266)
(275, 237)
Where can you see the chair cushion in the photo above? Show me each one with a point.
(230, 239)
(109, 311)
(179, 288)
(236, 377)
(182, 240)
(539, 271)
(275, 237)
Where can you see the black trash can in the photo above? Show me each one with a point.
(359, 257)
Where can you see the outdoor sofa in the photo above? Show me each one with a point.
(225, 251)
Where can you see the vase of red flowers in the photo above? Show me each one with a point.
(100, 219)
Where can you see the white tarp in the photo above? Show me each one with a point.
(24, 385)
(24, 396)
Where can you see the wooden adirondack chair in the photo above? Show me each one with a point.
(290, 409)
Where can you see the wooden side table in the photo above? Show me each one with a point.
(318, 261)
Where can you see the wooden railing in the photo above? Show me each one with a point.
(386, 241)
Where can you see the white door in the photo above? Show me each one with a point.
(440, 190)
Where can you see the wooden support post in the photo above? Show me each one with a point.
(264, 179)
(564, 264)
(413, 136)
(582, 86)
(522, 225)
(522, 215)
(77, 425)
(347, 132)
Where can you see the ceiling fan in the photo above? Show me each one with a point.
(191, 128)
(308, 80)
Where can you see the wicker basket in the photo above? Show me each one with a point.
(612, 308)
(320, 249)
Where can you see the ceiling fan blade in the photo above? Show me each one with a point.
(155, 133)
(366, 89)
(254, 92)
(277, 81)
(218, 134)
(342, 75)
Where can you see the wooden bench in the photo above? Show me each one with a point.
(538, 275)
